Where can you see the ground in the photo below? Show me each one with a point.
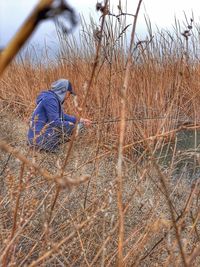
(78, 226)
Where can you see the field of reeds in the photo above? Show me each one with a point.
(126, 191)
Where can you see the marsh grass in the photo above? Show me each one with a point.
(44, 223)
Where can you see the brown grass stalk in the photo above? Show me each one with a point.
(23, 34)
(121, 143)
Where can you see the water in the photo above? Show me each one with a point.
(182, 155)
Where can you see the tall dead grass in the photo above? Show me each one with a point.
(44, 223)
(160, 73)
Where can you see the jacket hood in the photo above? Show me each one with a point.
(61, 87)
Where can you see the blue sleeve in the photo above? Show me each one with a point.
(52, 109)
(70, 118)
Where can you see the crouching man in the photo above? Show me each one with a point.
(49, 125)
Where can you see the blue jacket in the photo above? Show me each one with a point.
(48, 122)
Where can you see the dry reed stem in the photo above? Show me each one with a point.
(57, 246)
(83, 102)
(3, 258)
(192, 257)
(23, 34)
(17, 200)
(6, 257)
(163, 182)
(61, 181)
(87, 89)
(179, 220)
(163, 179)
(109, 237)
(121, 143)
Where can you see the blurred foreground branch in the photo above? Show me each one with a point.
(44, 9)
(64, 182)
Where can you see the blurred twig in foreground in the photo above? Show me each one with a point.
(44, 9)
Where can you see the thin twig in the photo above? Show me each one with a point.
(121, 142)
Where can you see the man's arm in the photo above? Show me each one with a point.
(70, 118)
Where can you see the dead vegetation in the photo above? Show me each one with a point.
(127, 191)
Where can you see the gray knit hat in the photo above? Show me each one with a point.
(60, 88)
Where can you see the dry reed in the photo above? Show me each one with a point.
(150, 214)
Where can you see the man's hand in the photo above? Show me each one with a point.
(86, 122)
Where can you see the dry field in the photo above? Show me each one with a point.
(125, 192)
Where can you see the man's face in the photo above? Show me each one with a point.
(67, 95)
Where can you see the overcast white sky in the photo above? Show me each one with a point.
(161, 13)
